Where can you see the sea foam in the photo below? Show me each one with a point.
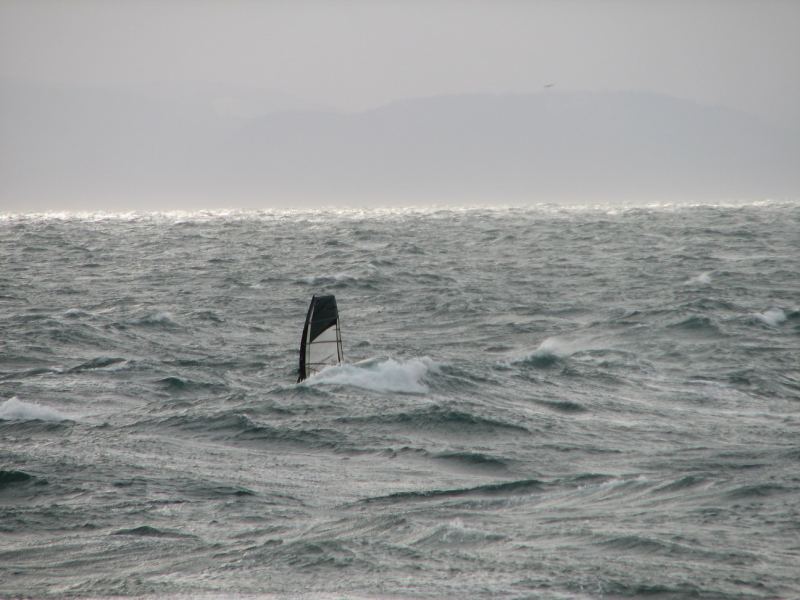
(551, 350)
(772, 317)
(379, 375)
(14, 409)
(701, 279)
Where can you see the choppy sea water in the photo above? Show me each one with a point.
(537, 403)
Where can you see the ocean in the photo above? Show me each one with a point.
(542, 402)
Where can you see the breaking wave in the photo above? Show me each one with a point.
(772, 317)
(552, 350)
(701, 279)
(14, 409)
(380, 375)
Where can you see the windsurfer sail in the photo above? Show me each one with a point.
(321, 344)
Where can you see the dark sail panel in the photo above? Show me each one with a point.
(321, 344)
(325, 315)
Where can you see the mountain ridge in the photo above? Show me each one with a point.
(547, 146)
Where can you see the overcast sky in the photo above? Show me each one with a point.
(358, 54)
(117, 104)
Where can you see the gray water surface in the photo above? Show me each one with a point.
(537, 403)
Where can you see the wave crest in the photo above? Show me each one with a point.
(552, 350)
(772, 317)
(14, 409)
(701, 279)
(379, 375)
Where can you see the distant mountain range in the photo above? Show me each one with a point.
(93, 147)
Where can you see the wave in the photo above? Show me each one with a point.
(219, 423)
(236, 427)
(154, 319)
(379, 375)
(436, 418)
(147, 531)
(681, 484)
(157, 318)
(473, 460)
(701, 279)
(601, 487)
(678, 547)
(584, 480)
(554, 349)
(316, 438)
(97, 363)
(772, 317)
(697, 324)
(455, 533)
(341, 280)
(14, 409)
(76, 313)
(180, 384)
(522, 486)
(637, 544)
(10, 479)
(214, 316)
(550, 351)
(757, 491)
(305, 555)
(30, 373)
(336, 278)
(563, 406)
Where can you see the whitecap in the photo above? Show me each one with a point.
(551, 349)
(772, 317)
(379, 375)
(330, 279)
(701, 279)
(454, 533)
(14, 409)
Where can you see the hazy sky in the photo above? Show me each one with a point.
(352, 55)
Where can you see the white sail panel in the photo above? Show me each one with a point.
(321, 343)
(323, 350)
